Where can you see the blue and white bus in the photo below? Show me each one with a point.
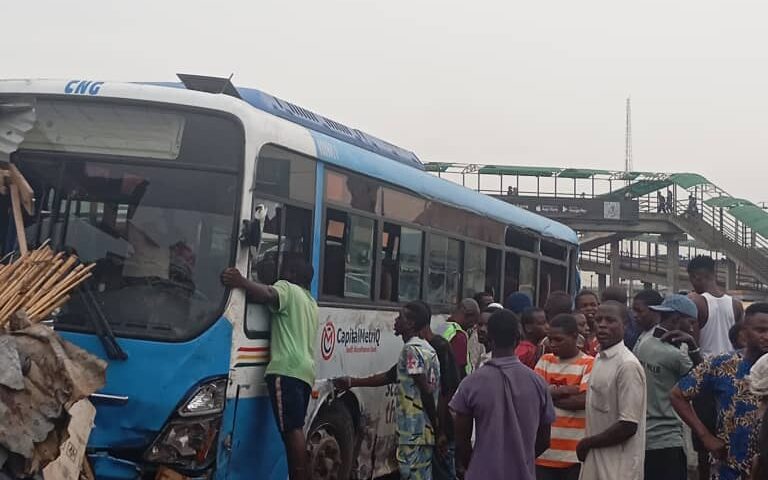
(163, 186)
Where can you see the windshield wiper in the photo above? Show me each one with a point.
(101, 324)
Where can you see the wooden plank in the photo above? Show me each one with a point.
(18, 219)
(25, 191)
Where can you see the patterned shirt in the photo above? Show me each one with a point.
(413, 425)
(591, 347)
(738, 420)
(569, 425)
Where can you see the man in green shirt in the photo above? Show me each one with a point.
(291, 370)
(665, 363)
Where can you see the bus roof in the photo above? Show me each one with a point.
(352, 149)
(357, 151)
(318, 123)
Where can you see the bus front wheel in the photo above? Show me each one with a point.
(330, 443)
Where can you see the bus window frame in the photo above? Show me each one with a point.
(285, 202)
(442, 307)
(380, 233)
(467, 246)
(238, 170)
(277, 198)
(256, 195)
(326, 299)
(566, 279)
(374, 302)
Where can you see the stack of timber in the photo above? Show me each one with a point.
(38, 283)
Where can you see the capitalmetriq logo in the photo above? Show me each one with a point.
(328, 340)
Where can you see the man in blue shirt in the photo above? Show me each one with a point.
(735, 442)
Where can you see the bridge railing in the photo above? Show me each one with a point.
(657, 265)
(716, 217)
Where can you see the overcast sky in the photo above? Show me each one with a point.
(480, 81)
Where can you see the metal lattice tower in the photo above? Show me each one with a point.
(628, 139)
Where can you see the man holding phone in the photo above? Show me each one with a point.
(667, 355)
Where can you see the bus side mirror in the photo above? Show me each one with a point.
(250, 234)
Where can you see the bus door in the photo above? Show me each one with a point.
(254, 448)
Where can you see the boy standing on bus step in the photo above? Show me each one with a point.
(417, 375)
(291, 370)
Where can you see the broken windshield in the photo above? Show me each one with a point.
(160, 232)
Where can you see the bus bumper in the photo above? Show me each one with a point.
(111, 468)
(106, 467)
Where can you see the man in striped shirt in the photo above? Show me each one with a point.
(566, 370)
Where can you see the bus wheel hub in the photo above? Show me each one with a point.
(324, 456)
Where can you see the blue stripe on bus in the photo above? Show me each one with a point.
(317, 241)
(362, 161)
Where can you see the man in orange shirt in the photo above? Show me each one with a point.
(566, 370)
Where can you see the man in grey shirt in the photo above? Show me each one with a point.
(665, 363)
(511, 406)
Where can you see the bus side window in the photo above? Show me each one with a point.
(401, 252)
(493, 272)
(553, 279)
(444, 270)
(409, 268)
(264, 260)
(519, 275)
(287, 230)
(474, 269)
(348, 260)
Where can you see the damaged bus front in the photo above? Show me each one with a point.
(148, 191)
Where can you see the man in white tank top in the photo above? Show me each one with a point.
(718, 312)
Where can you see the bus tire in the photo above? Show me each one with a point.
(331, 443)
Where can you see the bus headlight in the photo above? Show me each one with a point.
(187, 443)
(207, 399)
(188, 440)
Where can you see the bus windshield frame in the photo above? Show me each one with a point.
(158, 240)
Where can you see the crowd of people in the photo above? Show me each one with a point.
(588, 387)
